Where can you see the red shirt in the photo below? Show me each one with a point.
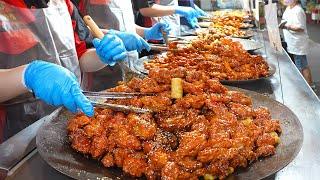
(82, 36)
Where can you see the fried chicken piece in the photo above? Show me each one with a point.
(193, 88)
(160, 75)
(166, 140)
(108, 160)
(156, 103)
(135, 84)
(80, 141)
(135, 164)
(262, 113)
(124, 139)
(149, 85)
(193, 76)
(179, 72)
(214, 86)
(98, 145)
(219, 168)
(121, 88)
(192, 101)
(78, 122)
(158, 159)
(265, 139)
(142, 125)
(191, 143)
(94, 128)
(265, 151)
(120, 155)
(189, 163)
(239, 97)
(175, 121)
(241, 111)
(272, 126)
(170, 171)
(202, 125)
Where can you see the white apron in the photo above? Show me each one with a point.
(173, 20)
(34, 34)
(124, 13)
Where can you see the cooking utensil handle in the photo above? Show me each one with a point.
(96, 31)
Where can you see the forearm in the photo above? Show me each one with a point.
(140, 30)
(157, 11)
(11, 83)
(294, 28)
(90, 62)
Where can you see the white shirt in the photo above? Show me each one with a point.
(297, 42)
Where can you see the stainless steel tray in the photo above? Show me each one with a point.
(248, 45)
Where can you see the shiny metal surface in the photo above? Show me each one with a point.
(248, 45)
(17, 147)
(286, 86)
(54, 147)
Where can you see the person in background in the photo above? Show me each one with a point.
(127, 31)
(185, 25)
(25, 37)
(296, 37)
(149, 8)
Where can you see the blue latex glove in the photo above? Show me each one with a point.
(132, 41)
(190, 14)
(155, 31)
(200, 11)
(56, 86)
(110, 49)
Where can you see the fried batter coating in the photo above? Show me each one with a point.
(225, 60)
(210, 131)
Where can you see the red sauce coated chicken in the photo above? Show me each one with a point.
(222, 59)
(209, 132)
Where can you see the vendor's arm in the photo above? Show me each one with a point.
(11, 83)
(150, 9)
(49, 82)
(90, 62)
(294, 28)
(107, 51)
(157, 11)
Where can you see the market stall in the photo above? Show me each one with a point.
(20, 155)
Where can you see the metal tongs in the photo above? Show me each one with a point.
(98, 100)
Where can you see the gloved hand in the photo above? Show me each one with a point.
(200, 11)
(132, 41)
(155, 31)
(56, 86)
(110, 49)
(190, 14)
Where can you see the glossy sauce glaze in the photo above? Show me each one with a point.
(222, 59)
(209, 132)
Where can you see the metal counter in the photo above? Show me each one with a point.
(286, 86)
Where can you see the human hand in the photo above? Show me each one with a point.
(56, 86)
(200, 11)
(190, 14)
(155, 32)
(132, 41)
(282, 25)
(110, 49)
